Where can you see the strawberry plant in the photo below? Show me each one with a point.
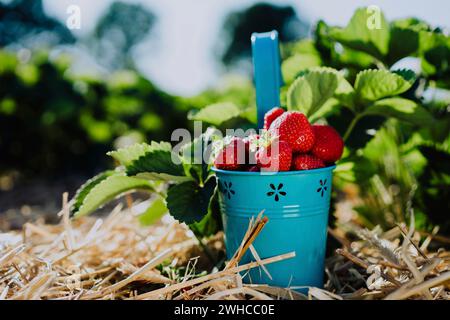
(183, 188)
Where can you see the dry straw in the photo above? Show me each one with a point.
(116, 258)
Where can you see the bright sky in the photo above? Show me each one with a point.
(182, 61)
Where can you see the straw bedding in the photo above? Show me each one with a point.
(116, 258)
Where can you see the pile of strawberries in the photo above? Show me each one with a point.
(288, 142)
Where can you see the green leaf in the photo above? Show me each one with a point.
(216, 113)
(162, 177)
(406, 74)
(402, 109)
(108, 189)
(208, 226)
(404, 42)
(354, 59)
(304, 46)
(344, 91)
(250, 114)
(293, 65)
(434, 49)
(371, 85)
(355, 169)
(127, 155)
(328, 108)
(188, 202)
(363, 34)
(311, 90)
(154, 212)
(412, 24)
(158, 163)
(211, 223)
(196, 155)
(86, 188)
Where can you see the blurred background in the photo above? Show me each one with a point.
(79, 78)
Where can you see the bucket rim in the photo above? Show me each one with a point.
(280, 173)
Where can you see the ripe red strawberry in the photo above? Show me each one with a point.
(294, 128)
(306, 162)
(329, 144)
(232, 156)
(275, 157)
(251, 146)
(271, 115)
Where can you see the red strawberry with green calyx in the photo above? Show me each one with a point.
(277, 156)
(294, 128)
(306, 162)
(232, 156)
(251, 146)
(271, 115)
(328, 144)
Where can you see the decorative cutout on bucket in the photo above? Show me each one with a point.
(277, 192)
(226, 189)
(322, 187)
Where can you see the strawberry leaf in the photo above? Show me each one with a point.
(216, 113)
(154, 212)
(434, 49)
(210, 223)
(127, 155)
(344, 92)
(359, 35)
(371, 85)
(158, 164)
(406, 74)
(188, 202)
(87, 187)
(311, 90)
(196, 155)
(293, 65)
(108, 189)
(163, 177)
(402, 109)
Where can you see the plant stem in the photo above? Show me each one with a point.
(351, 127)
(205, 248)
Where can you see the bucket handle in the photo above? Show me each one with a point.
(267, 72)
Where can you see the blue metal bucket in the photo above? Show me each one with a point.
(296, 204)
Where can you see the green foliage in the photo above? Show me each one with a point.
(106, 190)
(235, 94)
(211, 222)
(52, 122)
(189, 197)
(402, 109)
(434, 192)
(189, 202)
(310, 91)
(159, 160)
(154, 212)
(297, 63)
(371, 85)
(216, 113)
(383, 157)
(128, 154)
(87, 187)
(358, 36)
(197, 154)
